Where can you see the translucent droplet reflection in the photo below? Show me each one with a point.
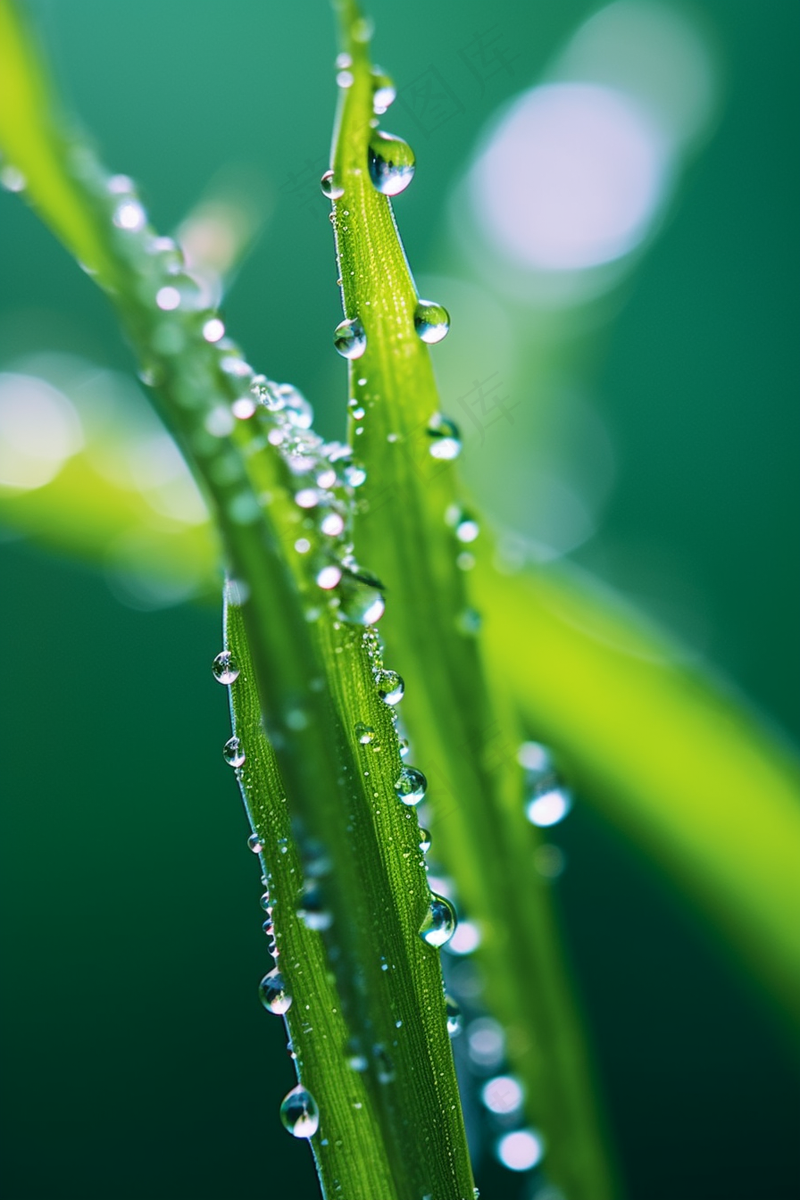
(439, 923)
(431, 321)
(233, 752)
(391, 163)
(225, 668)
(350, 339)
(273, 994)
(299, 1112)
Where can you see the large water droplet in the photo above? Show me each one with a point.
(299, 1112)
(273, 994)
(364, 733)
(440, 922)
(410, 786)
(360, 601)
(233, 752)
(383, 91)
(225, 667)
(391, 163)
(445, 439)
(330, 187)
(431, 321)
(255, 843)
(350, 339)
(453, 1015)
(390, 687)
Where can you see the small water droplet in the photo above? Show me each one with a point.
(520, 1150)
(255, 843)
(307, 498)
(390, 687)
(264, 899)
(431, 321)
(12, 179)
(330, 188)
(273, 994)
(391, 163)
(328, 577)
(453, 1016)
(445, 438)
(291, 400)
(502, 1095)
(411, 786)
(213, 330)
(168, 298)
(225, 667)
(535, 757)
(233, 752)
(332, 524)
(365, 734)
(440, 922)
(424, 840)
(383, 91)
(349, 338)
(299, 1112)
(466, 527)
(129, 216)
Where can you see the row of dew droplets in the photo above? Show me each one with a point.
(391, 164)
(299, 1112)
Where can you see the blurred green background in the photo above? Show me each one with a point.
(663, 409)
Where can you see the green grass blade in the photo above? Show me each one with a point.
(464, 738)
(677, 765)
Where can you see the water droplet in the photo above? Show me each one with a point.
(312, 911)
(440, 922)
(307, 498)
(390, 687)
(298, 410)
(365, 734)
(302, 545)
(129, 216)
(384, 1067)
(244, 408)
(391, 163)
(328, 577)
(535, 757)
(411, 785)
(299, 1112)
(332, 524)
(453, 1016)
(350, 339)
(264, 900)
(548, 805)
(502, 1095)
(431, 321)
(466, 528)
(549, 860)
(383, 91)
(168, 298)
(213, 330)
(445, 437)
(273, 994)
(255, 843)
(424, 840)
(330, 188)
(225, 667)
(520, 1150)
(360, 601)
(355, 476)
(233, 752)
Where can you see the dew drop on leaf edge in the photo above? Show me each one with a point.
(273, 993)
(233, 752)
(390, 687)
(330, 187)
(299, 1113)
(439, 923)
(225, 667)
(391, 163)
(349, 338)
(431, 321)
